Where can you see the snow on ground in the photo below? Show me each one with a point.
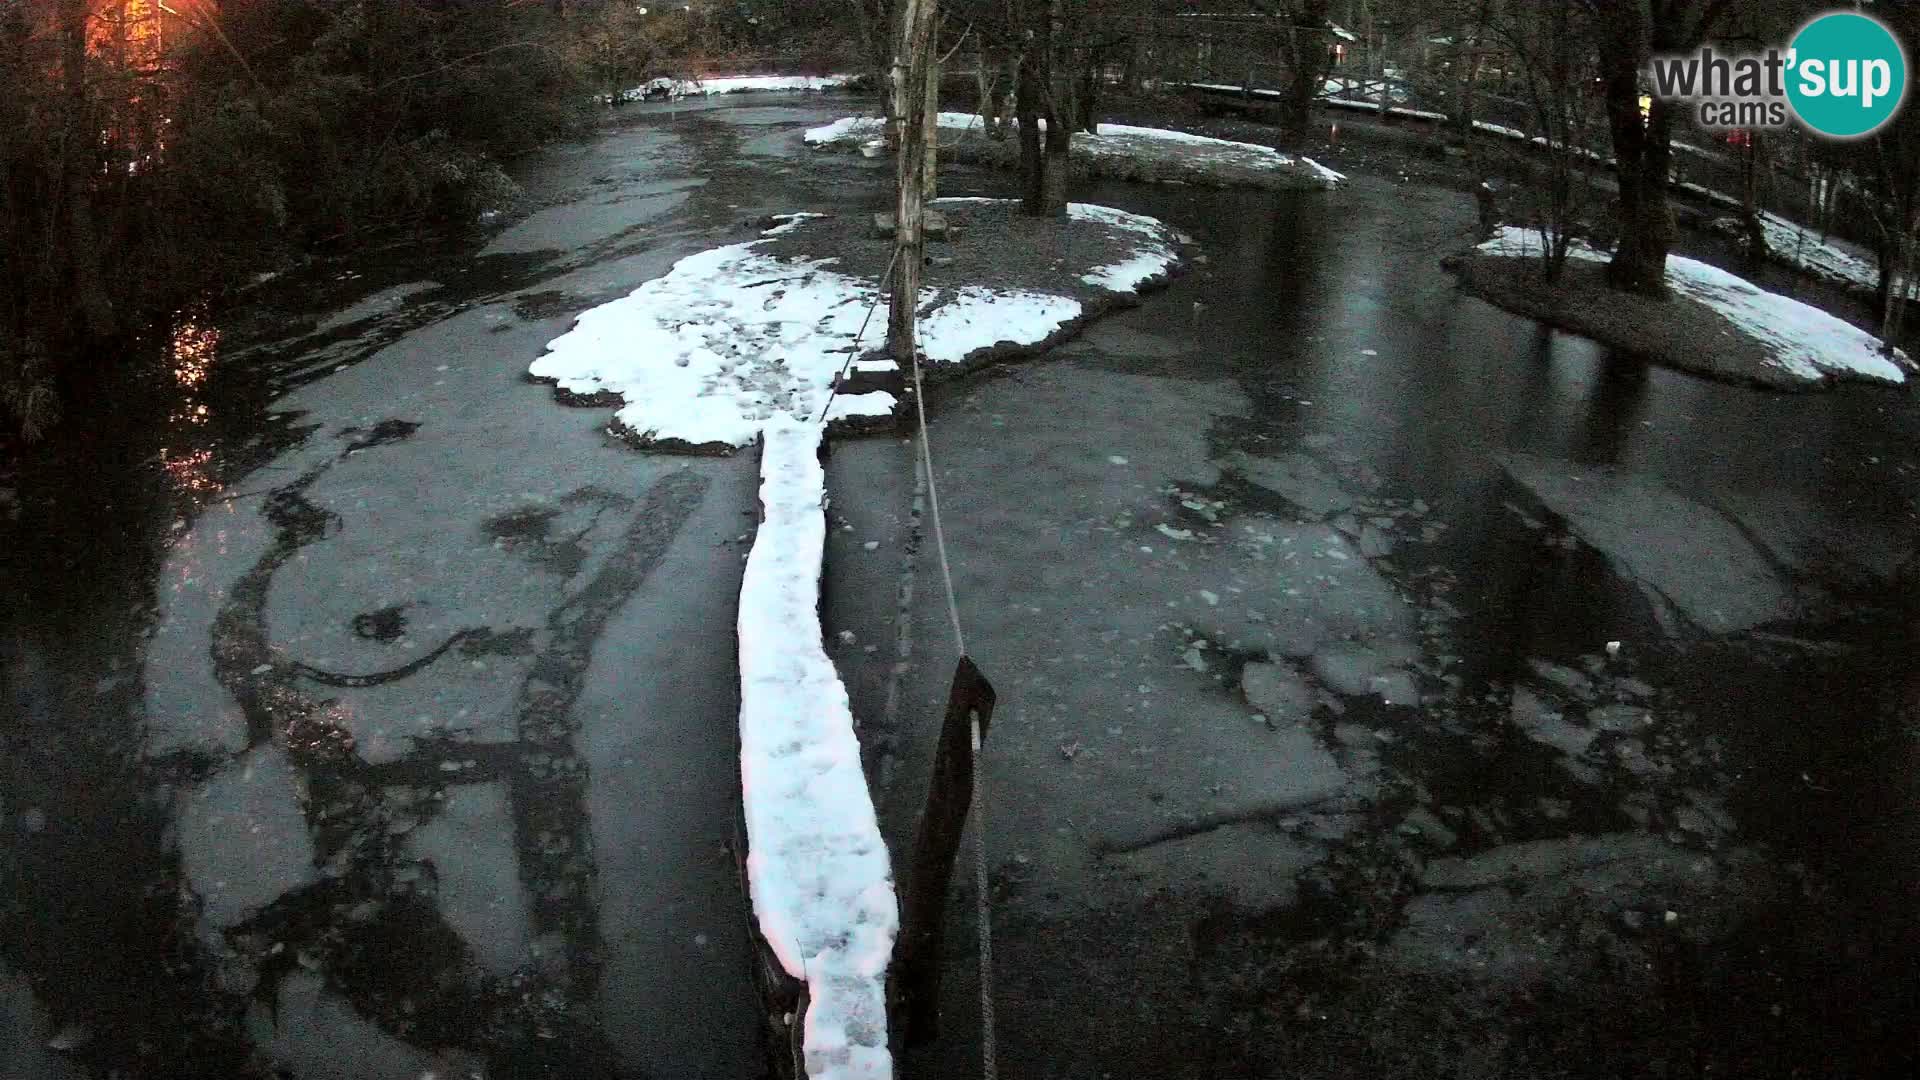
(733, 337)
(816, 864)
(974, 318)
(1499, 129)
(1154, 256)
(727, 340)
(734, 84)
(1363, 88)
(1374, 106)
(1366, 98)
(733, 345)
(1803, 340)
(1113, 140)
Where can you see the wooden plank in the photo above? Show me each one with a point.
(916, 969)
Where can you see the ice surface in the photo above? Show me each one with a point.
(243, 836)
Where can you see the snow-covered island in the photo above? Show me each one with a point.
(1715, 323)
(666, 88)
(1117, 152)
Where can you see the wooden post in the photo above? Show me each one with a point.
(936, 842)
(912, 65)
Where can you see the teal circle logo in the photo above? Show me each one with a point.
(1846, 76)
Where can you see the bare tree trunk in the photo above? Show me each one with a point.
(1377, 63)
(913, 66)
(1642, 149)
(1053, 187)
(1896, 278)
(1033, 165)
(1306, 60)
(930, 123)
(1755, 233)
(1059, 133)
(988, 91)
(875, 20)
(1086, 100)
(1003, 105)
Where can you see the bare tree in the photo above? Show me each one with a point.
(1628, 33)
(1305, 40)
(1549, 45)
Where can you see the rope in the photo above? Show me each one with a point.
(853, 350)
(983, 915)
(933, 501)
(983, 911)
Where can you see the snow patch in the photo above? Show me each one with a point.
(816, 864)
(974, 318)
(1112, 140)
(734, 84)
(723, 343)
(1153, 258)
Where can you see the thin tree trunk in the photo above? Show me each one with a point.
(1896, 278)
(930, 123)
(1087, 100)
(986, 82)
(913, 65)
(1756, 234)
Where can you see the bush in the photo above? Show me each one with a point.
(285, 124)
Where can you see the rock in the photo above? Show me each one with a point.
(1277, 689)
(32, 820)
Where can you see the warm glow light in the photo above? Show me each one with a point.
(191, 472)
(192, 351)
(190, 357)
(129, 31)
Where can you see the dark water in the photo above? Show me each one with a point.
(368, 711)
(310, 419)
